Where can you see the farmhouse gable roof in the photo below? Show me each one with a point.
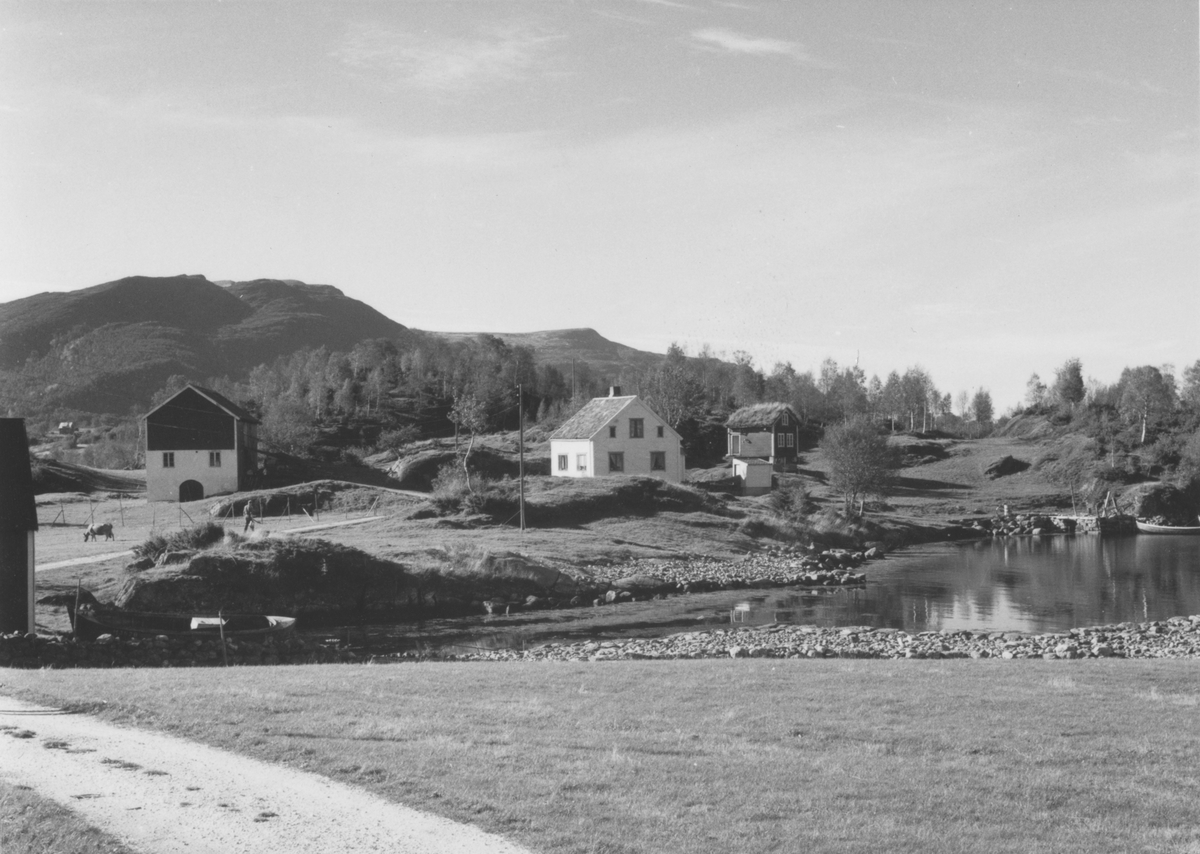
(593, 418)
(216, 398)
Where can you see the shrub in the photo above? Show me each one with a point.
(450, 488)
(398, 437)
(790, 503)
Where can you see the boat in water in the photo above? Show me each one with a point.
(1151, 528)
(90, 622)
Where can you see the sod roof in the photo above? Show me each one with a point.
(758, 416)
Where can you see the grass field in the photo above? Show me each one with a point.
(751, 755)
(30, 824)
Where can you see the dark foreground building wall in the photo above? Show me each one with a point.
(18, 521)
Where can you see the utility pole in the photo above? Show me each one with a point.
(521, 443)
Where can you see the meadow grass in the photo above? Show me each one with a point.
(689, 756)
(31, 824)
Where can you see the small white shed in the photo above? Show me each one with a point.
(753, 475)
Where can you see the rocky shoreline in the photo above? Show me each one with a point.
(1178, 637)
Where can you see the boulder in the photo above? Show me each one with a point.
(1147, 500)
(1005, 466)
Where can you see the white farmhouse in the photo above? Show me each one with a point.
(616, 435)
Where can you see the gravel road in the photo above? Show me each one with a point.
(161, 794)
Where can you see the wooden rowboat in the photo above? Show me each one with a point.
(1148, 528)
(90, 623)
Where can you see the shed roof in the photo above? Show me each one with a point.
(214, 397)
(758, 416)
(594, 416)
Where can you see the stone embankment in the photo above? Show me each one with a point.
(1178, 637)
(1018, 525)
(37, 651)
(774, 568)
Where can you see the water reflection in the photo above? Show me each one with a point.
(1029, 585)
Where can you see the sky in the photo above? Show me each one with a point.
(984, 189)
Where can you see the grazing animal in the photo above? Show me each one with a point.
(93, 532)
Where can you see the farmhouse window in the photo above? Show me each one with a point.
(658, 461)
(735, 443)
(169, 459)
(780, 440)
(616, 461)
(581, 462)
(612, 431)
(214, 459)
(784, 420)
(637, 428)
(660, 431)
(791, 440)
(562, 462)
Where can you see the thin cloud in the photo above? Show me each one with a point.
(442, 64)
(1096, 76)
(728, 41)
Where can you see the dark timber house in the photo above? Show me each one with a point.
(199, 443)
(767, 431)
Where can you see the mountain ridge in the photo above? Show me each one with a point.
(100, 348)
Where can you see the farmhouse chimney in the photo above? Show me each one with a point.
(18, 521)
(614, 391)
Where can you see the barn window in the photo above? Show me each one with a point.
(637, 428)
(658, 461)
(214, 459)
(562, 462)
(612, 431)
(169, 460)
(660, 432)
(616, 461)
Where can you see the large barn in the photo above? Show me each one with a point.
(199, 443)
(616, 435)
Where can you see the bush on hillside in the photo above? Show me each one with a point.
(792, 504)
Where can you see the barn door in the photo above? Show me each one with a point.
(191, 490)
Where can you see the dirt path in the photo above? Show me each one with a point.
(161, 794)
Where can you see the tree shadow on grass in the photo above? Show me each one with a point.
(919, 487)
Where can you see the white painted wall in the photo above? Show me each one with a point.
(572, 448)
(754, 475)
(162, 484)
(637, 451)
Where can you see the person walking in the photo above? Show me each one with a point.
(248, 512)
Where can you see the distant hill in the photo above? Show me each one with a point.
(104, 348)
(558, 347)
(110, 347)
